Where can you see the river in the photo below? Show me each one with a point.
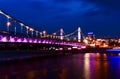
(72, 66)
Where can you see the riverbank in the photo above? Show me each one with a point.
(8, 55)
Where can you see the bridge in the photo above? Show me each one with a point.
(15, 31)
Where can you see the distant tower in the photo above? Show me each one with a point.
(79, 34)
(61, 34)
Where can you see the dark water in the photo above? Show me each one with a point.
(76, 66)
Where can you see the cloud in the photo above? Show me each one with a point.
(112, 4)
(64, 13)
(63, 1)
(95, 12)
(108, 5)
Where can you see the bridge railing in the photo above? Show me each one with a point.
(18, 39)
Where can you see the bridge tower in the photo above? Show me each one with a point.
(79, 34)
(61, 34)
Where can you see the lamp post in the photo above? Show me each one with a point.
(8, 25)
(44, 33)
(54, 35)
(21, 24)
(36, 33)
(31, 29)
(27, 29)
(15, 28)
(61, 34)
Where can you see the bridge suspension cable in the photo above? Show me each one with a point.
(78, 32)
(32, 31)
(67, 35)
(8, 24)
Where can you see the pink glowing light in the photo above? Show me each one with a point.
(79, 48)
(43, 42)
(54, 33)
(8, 24)
(35, 41)
(4, 39)
(46, 42)
(69, 48)
(12, 40)
(49, 42)
(19, 40)
(44, 32)
(60, 48)
(39, 41)
(25, 40)
(30, 40)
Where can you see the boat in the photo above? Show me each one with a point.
(116, 49)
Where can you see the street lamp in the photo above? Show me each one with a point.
(8, 25)
(54, 35)
(44, 33)
(31, 29)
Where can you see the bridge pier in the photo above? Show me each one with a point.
(79, 34)
(61, 34)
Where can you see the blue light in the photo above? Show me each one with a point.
(90, 32)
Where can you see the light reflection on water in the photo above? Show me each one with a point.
(87, 65)
(76, 66)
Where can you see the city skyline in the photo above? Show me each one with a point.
(101, 17)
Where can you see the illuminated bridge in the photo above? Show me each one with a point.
(15, 31)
